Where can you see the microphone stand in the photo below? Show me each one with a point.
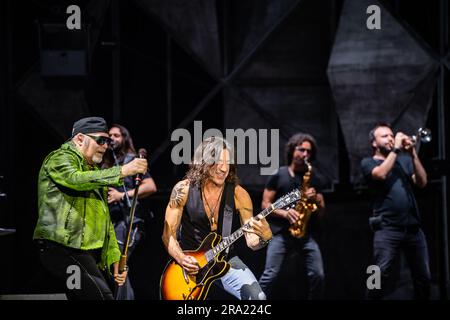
(124, 256)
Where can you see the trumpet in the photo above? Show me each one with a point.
(423, 134)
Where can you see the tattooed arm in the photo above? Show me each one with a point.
(258, 229)
(172, 221)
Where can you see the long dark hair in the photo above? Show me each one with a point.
(205, 157)
(126, 148)
(296, 140)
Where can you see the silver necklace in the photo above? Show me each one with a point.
(212, 211)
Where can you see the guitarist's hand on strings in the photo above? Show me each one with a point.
(259, 227)
(190, 264)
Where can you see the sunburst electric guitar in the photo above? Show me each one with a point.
(177, 284)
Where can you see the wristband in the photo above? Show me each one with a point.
(264, 243)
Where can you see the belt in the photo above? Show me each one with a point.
(407, 229)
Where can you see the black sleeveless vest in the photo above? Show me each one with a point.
(195, 225)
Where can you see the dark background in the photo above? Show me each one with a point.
(154, 66)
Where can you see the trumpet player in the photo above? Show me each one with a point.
(300, 147)
(391, 173)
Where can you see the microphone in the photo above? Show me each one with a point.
(143, 155)
(123, 258)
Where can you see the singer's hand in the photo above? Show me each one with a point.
(136, 166)
(119, 278)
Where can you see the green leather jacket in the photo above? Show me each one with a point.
(72, 201)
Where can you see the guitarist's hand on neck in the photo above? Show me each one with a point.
(261, 228)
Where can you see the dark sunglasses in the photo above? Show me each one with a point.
(303, 149)
(100, 140)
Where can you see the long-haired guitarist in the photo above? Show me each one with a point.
(196, 208)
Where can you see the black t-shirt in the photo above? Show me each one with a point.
(393, 198)
(282, 182)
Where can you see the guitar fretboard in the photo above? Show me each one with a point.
(228, 241)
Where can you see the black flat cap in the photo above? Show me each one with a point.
(89, 125)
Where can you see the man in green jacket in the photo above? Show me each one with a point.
(74, 233)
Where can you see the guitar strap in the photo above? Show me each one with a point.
(228, 210)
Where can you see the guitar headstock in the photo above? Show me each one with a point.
(288, 199)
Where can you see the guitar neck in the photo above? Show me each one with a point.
(228, 241)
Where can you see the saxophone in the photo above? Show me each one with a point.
(304, 206)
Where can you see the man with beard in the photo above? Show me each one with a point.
(391, 172)
(199, 205)
(122, 151)
(299, 147)
(74, 233)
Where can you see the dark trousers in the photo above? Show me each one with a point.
(277, 251)
(387, 243)
(60, 261)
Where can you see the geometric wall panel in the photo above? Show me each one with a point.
(377, 75)
(193, 24)
(59, 109)
(284, 85)
(290, 110)
(252, 19)
(56, 107)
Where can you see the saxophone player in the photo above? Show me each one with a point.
(300, 147)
